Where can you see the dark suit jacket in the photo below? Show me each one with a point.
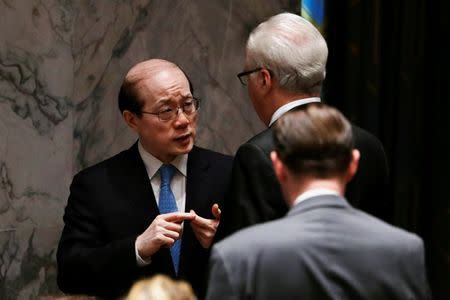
(111, 203)
(323, 249)
(255, 194)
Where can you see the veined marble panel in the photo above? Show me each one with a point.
(61, 66)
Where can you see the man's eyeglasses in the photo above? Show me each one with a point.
(189, 108)
(243, 76)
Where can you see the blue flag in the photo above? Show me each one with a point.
(314, 11)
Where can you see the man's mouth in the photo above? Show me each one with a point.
(183, 138)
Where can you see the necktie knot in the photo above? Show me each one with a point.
(166, 172)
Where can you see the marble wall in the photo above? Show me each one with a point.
(61, 65)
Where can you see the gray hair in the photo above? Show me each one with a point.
(292, 49)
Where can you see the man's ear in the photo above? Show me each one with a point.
(278, 167)
(266, 80)
(353, 166)
(131, 119)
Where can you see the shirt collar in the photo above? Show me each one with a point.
(152, 164)
(287, 107)
(314, 193)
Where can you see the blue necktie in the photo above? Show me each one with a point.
(167, 204)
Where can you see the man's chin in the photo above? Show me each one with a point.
(186, 147)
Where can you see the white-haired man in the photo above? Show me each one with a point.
(285, 68)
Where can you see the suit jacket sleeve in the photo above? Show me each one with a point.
(86, 262)
(415, 261)
(254, 194)
(220, 285)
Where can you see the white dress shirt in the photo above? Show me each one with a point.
(314, 193)
(178, 183)
(287, 107)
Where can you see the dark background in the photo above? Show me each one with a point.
(387, 71)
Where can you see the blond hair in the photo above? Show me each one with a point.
(161, 287)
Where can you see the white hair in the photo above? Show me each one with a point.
(292, 49)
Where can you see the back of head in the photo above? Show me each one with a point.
(314, 141)
(292, 49)
(161, 287)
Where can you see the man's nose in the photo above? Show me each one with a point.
(181, 118)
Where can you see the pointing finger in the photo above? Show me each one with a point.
(178, 217)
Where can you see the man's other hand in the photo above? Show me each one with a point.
(205, 229)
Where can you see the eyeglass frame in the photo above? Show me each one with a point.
(246, 73)
(196, 102)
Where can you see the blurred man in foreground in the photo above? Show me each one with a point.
(323, 248)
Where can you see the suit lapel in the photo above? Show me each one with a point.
(133, 181)
(196, 185)
(196, 195)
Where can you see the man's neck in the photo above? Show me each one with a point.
(303, 185)
(281, 98)
(289, 106)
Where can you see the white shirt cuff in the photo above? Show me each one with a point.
(139, 260)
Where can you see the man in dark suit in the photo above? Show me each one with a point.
(324, 248)
(285, 68)
(139, 212)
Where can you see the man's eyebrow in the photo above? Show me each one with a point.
(163, 101)
(168, 100)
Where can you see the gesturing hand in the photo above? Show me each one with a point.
(205, 229)
(162, 232)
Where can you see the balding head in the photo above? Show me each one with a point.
(143, 71)
(148, 69)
